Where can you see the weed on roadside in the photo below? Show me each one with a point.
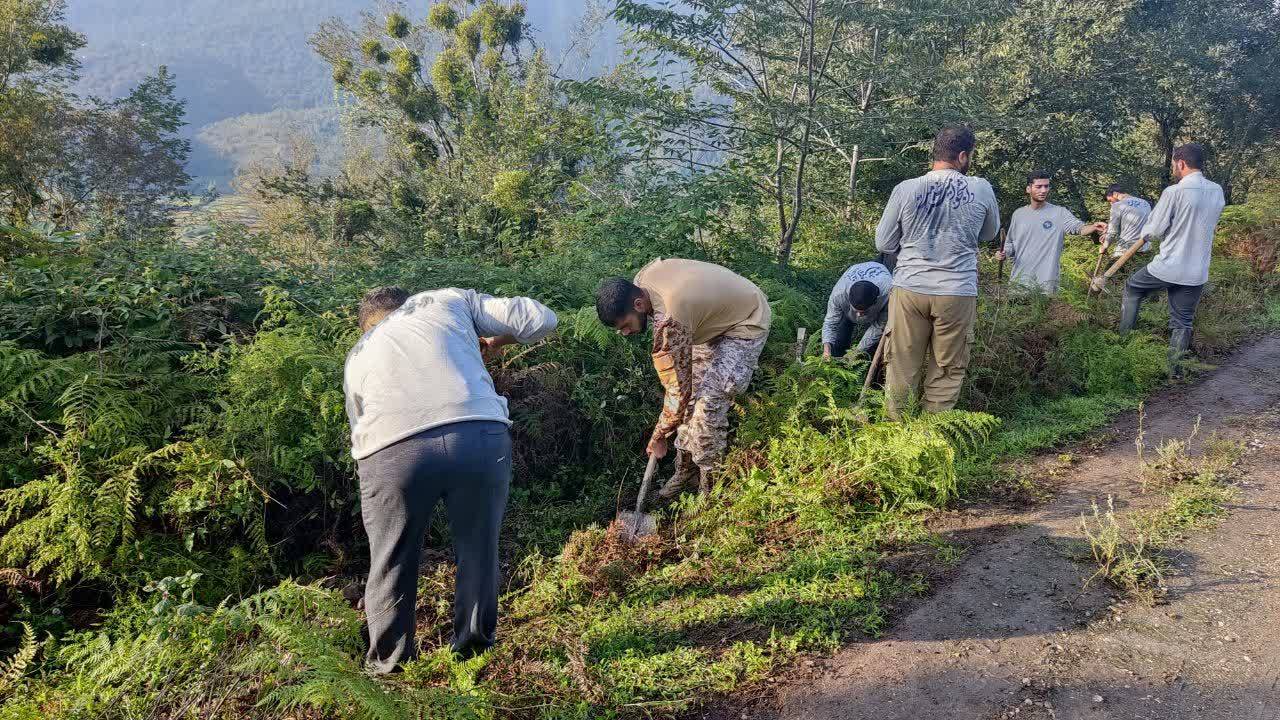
(1129, 551)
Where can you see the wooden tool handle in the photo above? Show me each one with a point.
(644, 484)
(875, 366)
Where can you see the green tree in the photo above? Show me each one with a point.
(123, 159)
(1059, 97)
(765, 90)
(1205, 74)
(37, 61)
(486, 105)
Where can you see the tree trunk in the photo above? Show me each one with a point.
(779, 198)
(1073, 189)
(1167, 127)
(851, 195)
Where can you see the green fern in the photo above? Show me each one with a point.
(583, 324)
(319, 676)
(15, 666)
(97, 427)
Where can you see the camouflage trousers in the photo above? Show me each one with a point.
(722, 369)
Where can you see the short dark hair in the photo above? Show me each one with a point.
(1113, 189)
(951, 141)
(1192, 154)
(863, 294)
(1032, 177)
(614, 299)
(380, 301)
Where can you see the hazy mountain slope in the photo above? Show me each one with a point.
(238, 57)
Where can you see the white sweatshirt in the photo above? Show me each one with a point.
(421, 367)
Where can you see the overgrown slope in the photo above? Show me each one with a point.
(169, 457)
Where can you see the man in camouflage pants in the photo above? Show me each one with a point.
(710, 326)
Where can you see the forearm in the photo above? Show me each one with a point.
(1113, 229)
(673, 359)
(889, 239)
(521, 319)
(501, 341)
(831, 323)
(889, 231)
(873, 334)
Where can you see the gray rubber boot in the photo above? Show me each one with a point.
(1179, 343)
(1130, 304)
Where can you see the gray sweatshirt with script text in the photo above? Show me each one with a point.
(935, 223)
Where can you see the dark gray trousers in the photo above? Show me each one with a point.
(468, 465)
(1183, 300)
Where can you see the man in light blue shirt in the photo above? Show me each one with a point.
(1185, 220)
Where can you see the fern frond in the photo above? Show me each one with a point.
(13, 668)
(326, 678)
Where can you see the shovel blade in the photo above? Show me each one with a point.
(636, 525)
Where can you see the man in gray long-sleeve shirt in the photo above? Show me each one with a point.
(859, 299)
(1037, 234)
(1186, 217)
(935, 223)
(1124, 227)
(426, 425)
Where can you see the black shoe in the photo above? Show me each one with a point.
(470, 650)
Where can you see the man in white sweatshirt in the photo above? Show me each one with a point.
(1184, 220)
(427, 425)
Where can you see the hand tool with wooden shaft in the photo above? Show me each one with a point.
(1102, 253)
(1119, 263)
(1004, 235)
(636, 524)
(875, 367)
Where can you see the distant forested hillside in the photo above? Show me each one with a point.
(250, 57)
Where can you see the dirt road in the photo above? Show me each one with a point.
(1013, 634)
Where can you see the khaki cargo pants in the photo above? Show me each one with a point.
(933, 332)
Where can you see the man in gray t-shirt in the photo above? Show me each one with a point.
(935, 223)
(1037, 234)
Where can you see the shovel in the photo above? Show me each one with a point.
(1096, 269)
(874, 369)
(638, 523)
